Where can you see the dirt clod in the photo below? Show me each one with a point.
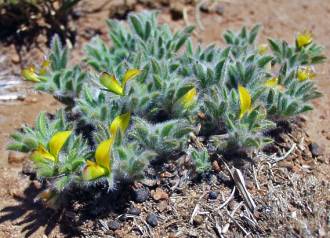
(114, 225)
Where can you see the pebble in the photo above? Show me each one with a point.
(219, 10)
(152, 219)
(315, 149)
(224, 178)
(134, 211)
(149, 182)
(213, 195)
(205, 7)
(198, 220)
(114, 225)
(216, 166)
(15, 157)
(15, 58)
(159, 194)
(176, 10)
(141, 195)
(162, 206)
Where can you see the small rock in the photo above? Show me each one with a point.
(159, 194)
(166, 174)
(205, 7)
(224, 178)
(15, 58)
(15, 157)
(219, 10)
(198, 220)
(216, 166)
(141, 195)
(152, 219)
(193, 234)
(162, 206)
(149, 182)
(28, 169)
(249, 184)
(176, 10)
(31, 100)
(134, 211)
(315, 149)
(213, 195)
(114, 225)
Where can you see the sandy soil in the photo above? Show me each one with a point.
(280, 19)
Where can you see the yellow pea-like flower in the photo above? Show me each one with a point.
(262, 49)
(93, 171)
(113, 85)
(102, 165)
(245, 100)
(305, 73)
(30, 74)
(55, 145)
(304, 39)
(44, 67)
(188, 99)
(120, 123)
(273, 83)
(130, 74)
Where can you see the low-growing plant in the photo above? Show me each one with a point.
(173, 92)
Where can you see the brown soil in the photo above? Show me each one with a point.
(280, 19)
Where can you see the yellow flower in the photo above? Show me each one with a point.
(102, 165)
(304, 39)
(273, 83)
(120, 123)
(245, 100)
(188, 99)
(55, 145)
(29, 73)
(304, 73)
(113, 85)
(262, 49)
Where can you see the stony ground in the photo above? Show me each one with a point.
(292, 195)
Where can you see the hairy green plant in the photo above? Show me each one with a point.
(201, 160)
(174, 92)
(28, 139)
(165, 138)
(54, 77)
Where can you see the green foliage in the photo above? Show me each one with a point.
(229, 95)
(27, 139)
(64, 83)
(165, 138)
(130, 161)
(201, 160)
